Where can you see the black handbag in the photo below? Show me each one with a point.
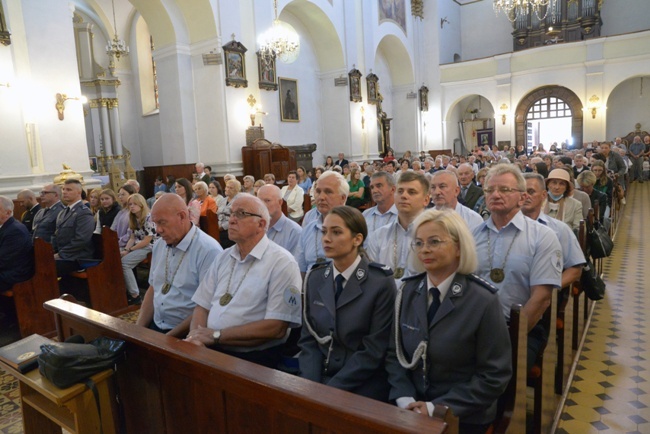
(65, 364)
(591, 282)
(600, 243)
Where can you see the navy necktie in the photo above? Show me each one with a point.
(435, 304)
(339, 286)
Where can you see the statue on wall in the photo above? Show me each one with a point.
(5, 36)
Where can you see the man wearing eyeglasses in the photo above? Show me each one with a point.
(44, 223)
(250, 297)
(519, 256)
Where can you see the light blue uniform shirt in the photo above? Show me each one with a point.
(310, 247)
(571, 251)
(286, 233)
(375, 219)
(311, 215)
(383, 249)
(535, 258)
(172, 308)
(264, 285)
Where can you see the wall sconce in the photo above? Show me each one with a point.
(593, 105)
(254, 110)
(5, 85)
(61, 98)
(504, 113)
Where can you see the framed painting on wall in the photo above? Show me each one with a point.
(235, 63)
(372, 81)
(485, 137)
(289, 109)
(267, 72)
(355, 85)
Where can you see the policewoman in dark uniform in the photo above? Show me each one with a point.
(348, 311)
(450, 343)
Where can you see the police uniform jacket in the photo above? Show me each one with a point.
(360, 324)
(16, 254)
(74, 232)
(468, 355)
(44, 224)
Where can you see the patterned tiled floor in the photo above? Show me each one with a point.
(611, 388)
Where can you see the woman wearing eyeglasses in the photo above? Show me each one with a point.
(347, 312)
(450, 343)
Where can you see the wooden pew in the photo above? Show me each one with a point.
(564, 338)
(106, 287)
(167, 385)
(511, 414)
(579, 297)
(210, 224)
(30, 295)
(542, 375)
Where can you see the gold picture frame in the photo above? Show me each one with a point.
(289, 106)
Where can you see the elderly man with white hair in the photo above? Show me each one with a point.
(250, 297)
(331, 191)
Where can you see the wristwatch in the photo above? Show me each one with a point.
(216, 336)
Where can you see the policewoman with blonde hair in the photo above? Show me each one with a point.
(348, 311)
(450, 343)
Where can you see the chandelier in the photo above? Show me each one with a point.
(116, 47)
(514, 9)
(280, 40)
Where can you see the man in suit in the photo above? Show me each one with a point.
(470, 193)
(16, 255)
(341, 161)
(44, 223)
(27, 199)
(75, 225)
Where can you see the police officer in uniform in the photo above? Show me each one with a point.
(348, 311)
(450, 343)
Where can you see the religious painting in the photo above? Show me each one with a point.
(393, 11)
(485, 137)
(372, 82)
(93, 164)
(235, 64)
(355, 85)
(289, 109)
(267, 72)
(424, 98)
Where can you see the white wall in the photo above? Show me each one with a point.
(624, 16)
(450, 33)
(483, 33)
(626, 106)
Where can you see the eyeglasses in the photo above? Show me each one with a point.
(43, 192)
(239, 214)
(502, 190)
(431, 243)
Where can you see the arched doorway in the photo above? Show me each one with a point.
(560, 93)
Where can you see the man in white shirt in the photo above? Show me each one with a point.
(250, 297)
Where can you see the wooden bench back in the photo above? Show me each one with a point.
(511, 417)
(30, 295)
(168, 385)
(210, 224)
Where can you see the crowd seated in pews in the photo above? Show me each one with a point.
(521, 210)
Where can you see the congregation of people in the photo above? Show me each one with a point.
(396, 285)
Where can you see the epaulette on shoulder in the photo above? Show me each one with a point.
(414, 277)
(319, 265)
(384, 268)
(484, 283)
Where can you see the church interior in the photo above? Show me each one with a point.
(119, 89)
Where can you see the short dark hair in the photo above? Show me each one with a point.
(128, 188)
(209, 168)
(415, 176)
(73, 181)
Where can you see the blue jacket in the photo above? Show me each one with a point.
(16, 254)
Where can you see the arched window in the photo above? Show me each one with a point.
(146, 68)
(548, 120)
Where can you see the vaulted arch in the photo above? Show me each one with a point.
(560, 92)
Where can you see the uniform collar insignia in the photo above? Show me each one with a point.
(456, 289)
(360, 273)
(327, 272)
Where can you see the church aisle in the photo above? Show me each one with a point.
(611, 388)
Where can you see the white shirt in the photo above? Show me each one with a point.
(383, 249)
(264, 285)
